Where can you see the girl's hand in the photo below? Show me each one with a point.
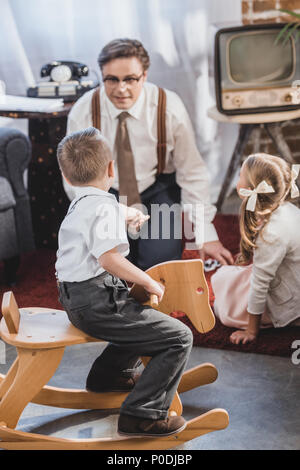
(242, 336)
(154, 287)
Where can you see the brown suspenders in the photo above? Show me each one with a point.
(96, 114)
(161, 125)
(161, 131)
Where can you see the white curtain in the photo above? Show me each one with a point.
(178, 34)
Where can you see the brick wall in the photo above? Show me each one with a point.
(265, 11)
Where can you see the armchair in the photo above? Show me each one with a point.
(16, 234)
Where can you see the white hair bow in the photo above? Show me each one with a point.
(294, 187)
(262, 187)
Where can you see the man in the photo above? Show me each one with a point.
(128, 109)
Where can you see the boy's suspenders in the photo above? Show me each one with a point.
(161, 124)
(72, 206)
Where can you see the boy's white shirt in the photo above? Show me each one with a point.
(95, 226)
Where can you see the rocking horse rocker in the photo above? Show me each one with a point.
(41, 335)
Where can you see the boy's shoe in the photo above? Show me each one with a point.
(117, 384)
(140, 427)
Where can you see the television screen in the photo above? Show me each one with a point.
(256, 58)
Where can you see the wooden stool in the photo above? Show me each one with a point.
(41, 335)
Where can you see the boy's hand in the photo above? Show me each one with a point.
(154, 287)
(242, 336)
(134, 217)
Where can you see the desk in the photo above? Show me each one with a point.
(49, 202)
(252, 123)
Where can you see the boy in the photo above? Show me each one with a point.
(90, 265)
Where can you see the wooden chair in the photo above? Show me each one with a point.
(41, 335)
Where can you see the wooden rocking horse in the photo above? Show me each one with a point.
(41, 335)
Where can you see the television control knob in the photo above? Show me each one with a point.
(237, 100)
(288, 98)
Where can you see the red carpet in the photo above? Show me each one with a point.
(37, 287)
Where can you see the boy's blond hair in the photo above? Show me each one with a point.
(83, 156)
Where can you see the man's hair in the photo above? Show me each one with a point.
(125, 47)
(83, 156)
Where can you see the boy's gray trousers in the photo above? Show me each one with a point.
(102, 308)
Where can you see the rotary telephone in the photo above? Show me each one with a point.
(65, 81)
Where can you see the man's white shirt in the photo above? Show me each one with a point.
(182, 154)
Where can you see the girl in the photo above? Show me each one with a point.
(267, 292)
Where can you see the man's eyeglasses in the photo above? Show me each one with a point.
(113, 82)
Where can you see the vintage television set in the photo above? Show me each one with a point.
(254, 71)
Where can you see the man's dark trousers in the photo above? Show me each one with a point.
(167, 244)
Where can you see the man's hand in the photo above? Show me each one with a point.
(242, 336)
(216, 251)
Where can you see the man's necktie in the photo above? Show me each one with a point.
(127, 178)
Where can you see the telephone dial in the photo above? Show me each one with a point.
(65, 81)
